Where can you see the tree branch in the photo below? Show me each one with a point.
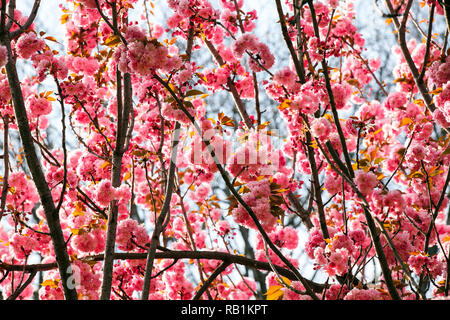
(29, 22)
(171, 254)
(37, 173)
(211, 278)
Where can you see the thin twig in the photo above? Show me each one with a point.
(210, 279)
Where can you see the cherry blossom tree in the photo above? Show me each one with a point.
(131, 211)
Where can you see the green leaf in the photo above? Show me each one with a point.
(193, 92)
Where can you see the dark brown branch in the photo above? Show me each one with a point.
(302, 213)
(124, 109)
(211, 278)
(400, 163)
(297, 63)
(436, 210)
(3, 15)
(257, 103)
(116, 173)
(29, 22)
(63, 144)
(5, 165)
(123, 113)
(374, 231)
(22, 287)
(112, 25)
(94, 122)
(232, 87)
(164, 214)
(401, 29)
(446, 6)
(331, 96)
(428, 43)
(207, 255)
(91, 204)
(37, 173)
(315, 184)
(11, 9)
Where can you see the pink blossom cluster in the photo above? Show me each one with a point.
(3, 55)
(258, 200)
(29, 44)
(143, 57)
(39, 106)
(130, 235)
(261, 57)
(22, 193)
(421, 264)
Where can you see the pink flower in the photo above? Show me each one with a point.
(396, 100)
(230, 4)
(425, 132)
(441, 118)
(342, 93)
(129, 233)
(365, 181)
(22, 245)
(157, 31)
(418, 152)
(84, 242)
(105, 192)
(315, 240)
(263, 58)
(287, 237)
(28, 44)
(358, 237)
(421, 263)
(375, 64)
(223, 226)
(338, 262)
(361, 294)
(38, 106)
(333, 184)
(258, 200)
(439, 73)
(246, 41)
(245, 87)
(418, 262)
(333, 3)
(88, 66)
(286, 77)
(18, 181)
(336, 291)
(135, 33)
(144, 56)
(321, 128)
(3, 56)
(244, 289)
(215, 214)
(340, 241)
(201, 193)
(88, 3)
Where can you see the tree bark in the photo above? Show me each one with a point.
(51, 214)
